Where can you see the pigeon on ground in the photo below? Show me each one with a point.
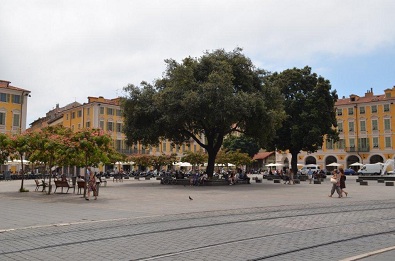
(190, 198)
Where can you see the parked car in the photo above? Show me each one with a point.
(349, 172)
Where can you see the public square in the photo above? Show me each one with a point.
(144, 220)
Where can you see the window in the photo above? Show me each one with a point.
(119, 113)
(16, 99)
(340, 126)
(67, 116)
(388, 142)
(362, 110)
(73, 115)
(374, 108)
(386, 107)
(88, 124)
(340, 144)
(351, 126)
(363, 143)
(110, 111)
(110, 126)
(79, 126)
(387, 124)
(329, 144)
(387, 95)
(3, 97)
(339, 112)
(352, 143)
(2, 118)
(101, 110)
(16, 120)
(119, 127)
(118, 145)
(164, 146)
(374, 125)
(88, 111)
(101, 124)
(375, 142)
(363, 125)
(79, 114)
(350, 111)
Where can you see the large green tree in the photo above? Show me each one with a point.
(242, 143)
(213, 96)
(310, 109)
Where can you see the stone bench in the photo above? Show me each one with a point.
(389, 183)
(363, 183)
(380, 181)
(277, 181)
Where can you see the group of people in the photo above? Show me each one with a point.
(338, 180)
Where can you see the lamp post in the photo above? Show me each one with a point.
(24, 94)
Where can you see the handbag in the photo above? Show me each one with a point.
(333, 180)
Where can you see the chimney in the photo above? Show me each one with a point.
(369, 93)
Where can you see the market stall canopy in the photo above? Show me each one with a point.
(15, 162)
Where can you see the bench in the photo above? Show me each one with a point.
(276, 181)
(62, 184)
(389, 183)
(363, 183)
(380, 181)
(42, 184)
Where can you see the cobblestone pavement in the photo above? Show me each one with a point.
(143, 220)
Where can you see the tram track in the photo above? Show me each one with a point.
(190, 224)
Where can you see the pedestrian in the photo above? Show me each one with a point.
(335, 180)
(343, 182)
(91, 185)
(310, 175)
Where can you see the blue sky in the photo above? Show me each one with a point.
(66, 50)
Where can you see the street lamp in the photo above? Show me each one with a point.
(24, 94)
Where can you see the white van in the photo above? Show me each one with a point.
(305, 169)
(371, 169)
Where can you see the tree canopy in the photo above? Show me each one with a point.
(242, 143)
(310, 109)
(211, 96)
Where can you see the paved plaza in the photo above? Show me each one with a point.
(143, 220)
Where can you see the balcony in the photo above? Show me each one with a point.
(358, 149)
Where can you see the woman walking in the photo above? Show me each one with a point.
(91, 185)
(335, 180)
(343, 182)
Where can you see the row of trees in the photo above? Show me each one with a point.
(222, 93)
(194, 158)
(58, 146)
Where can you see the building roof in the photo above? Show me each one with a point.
(262, 155)
(6, 85)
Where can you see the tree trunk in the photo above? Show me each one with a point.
(211, 162)
(294, 161)
(23, 175)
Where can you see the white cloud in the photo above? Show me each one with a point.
(65, 49)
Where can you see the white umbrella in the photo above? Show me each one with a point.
(183, 164)
(356, 164)
(334, 164)
(18, 162)
(274, 165)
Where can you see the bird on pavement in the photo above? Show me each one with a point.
(190, 198)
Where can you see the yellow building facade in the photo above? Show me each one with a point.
(13, 108)
(106, 114)
(366, 131)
